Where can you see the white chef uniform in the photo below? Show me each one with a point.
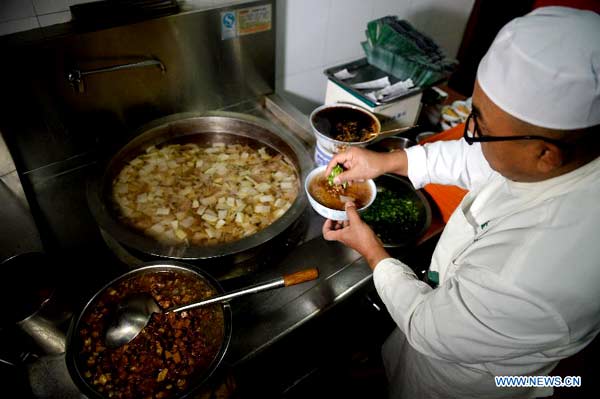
(519, 268)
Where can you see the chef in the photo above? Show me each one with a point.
(519, 260)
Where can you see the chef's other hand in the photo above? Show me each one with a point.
(362, 164)
(357, 235)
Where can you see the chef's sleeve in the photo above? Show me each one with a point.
(473, 317)
(448, 162)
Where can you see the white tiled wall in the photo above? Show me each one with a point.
(21, 15)
(312, 35)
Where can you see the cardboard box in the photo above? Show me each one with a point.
(398, 110)
(403, 111)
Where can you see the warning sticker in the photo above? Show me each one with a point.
(245, 21)
(253, 20)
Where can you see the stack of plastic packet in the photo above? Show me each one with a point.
(397, 48)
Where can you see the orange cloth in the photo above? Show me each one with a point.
(447, 198)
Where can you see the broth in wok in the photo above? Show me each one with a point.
(201, 195)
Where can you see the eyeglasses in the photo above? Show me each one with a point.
(477, 137)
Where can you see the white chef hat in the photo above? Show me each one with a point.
(544, 68)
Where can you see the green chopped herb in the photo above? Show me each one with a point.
(337, 169)
(391, 214)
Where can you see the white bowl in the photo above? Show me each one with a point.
(329, 213)
(446, 126)
(449, 114)
(462, 109)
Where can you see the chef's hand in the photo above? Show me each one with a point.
(357, 235)
(362, 164)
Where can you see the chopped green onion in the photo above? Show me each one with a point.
(337, 169)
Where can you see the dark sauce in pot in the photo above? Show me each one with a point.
(345, 124)
(335, 197)
(171, 352)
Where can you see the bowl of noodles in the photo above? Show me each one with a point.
(329, 199)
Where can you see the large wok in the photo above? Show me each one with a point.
(205, 128)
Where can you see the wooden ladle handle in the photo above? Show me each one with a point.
(300, 277)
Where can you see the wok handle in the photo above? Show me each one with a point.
(301, 276)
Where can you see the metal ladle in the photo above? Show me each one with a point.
(135, 312)
(387, 133)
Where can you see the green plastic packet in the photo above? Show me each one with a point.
(396, 47)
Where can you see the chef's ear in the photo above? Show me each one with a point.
(550, 157)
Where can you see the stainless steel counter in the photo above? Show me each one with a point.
(263, 319)
(19, 233)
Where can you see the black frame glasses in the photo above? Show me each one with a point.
(477, 137)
